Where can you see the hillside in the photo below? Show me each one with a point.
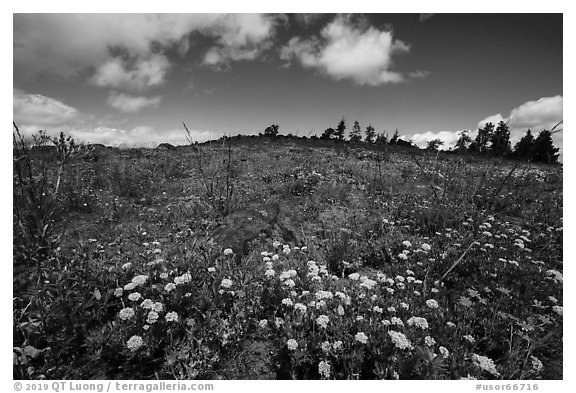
(274, 258)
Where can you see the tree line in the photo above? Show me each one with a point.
(491, 140)
(355, 136)
(494, 140)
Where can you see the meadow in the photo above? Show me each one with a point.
(276, 258)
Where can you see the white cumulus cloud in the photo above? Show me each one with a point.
(69, 45)
(141, 74)
(542, 113)
(34, 112)
(66, 44)
(537, 115)
(140, 136)
(350, 51)
(40, 109)
(241, 37)
(448, 137)
(130, 104)
(494, 119)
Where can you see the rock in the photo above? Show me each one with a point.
(237, 229)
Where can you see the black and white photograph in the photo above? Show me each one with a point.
(287, 196)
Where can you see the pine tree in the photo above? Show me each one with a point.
(434, 144)
(381, 139)
(523, 150)
(356, 133)
(328, 133)
(395, 137)
(370, 134)
(464, 141)
(340, 130)
(484, 135)
(500, 140)
(272, 130)
(544, 150)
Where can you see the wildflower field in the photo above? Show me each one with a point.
(274, 259)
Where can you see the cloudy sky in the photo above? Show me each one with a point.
(132, 79)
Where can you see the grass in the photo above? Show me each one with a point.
(266, 258)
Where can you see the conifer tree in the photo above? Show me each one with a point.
(370, 134)
(481, 141)
(544, 150)
(524, 148)
(434, 144)
(500, 140)
(356, 133)
(340, 130)
(272, 130)
(328, 133)
(395, 137)
(381, 139)
(464, 141)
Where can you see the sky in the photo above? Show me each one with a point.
(132, 79)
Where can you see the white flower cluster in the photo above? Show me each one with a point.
(139, 280)
(134, 343)
(419, 322)
(288, 274)
(432, 303)
(152, 317)
(365, 282)
(172, 317)
(134, 296)
(322, 321)
(361, 337)
(183, 279)
(324, 369)
(320, 295)
(226, 283)
(429, 341)
(344, 297)
(558, 310)
(399, 340)
(289, 283)
(292, 344)
(444, 352)
(485, 364)
(537, 365)
(555, 275)
(126, 313)
(469, 338)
